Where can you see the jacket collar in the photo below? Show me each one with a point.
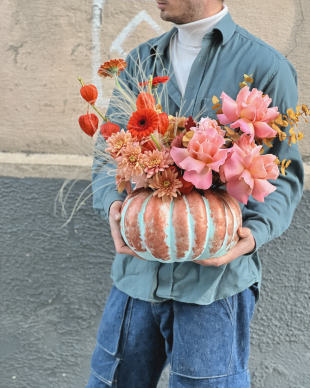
(225, 29)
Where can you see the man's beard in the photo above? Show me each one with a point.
(187, 16)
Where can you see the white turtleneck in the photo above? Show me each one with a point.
(186, 44)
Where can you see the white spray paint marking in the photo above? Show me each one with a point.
(96, 31)
(131, 26)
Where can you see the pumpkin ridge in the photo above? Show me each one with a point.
(228, 232)
(191, 226)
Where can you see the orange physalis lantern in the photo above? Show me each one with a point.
(163, 123)
(89, 93)
(145, 100)
(108, 128)
(89, 123)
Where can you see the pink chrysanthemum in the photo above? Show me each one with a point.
(131, 163)
(155, 161)
(118, 141)
(166, 185)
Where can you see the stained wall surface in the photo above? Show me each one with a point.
(54, 282)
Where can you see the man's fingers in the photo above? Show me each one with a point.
(245, 245)
(120, 245)
(115, 210)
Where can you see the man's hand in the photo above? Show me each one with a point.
(245, 245)
(114, 218)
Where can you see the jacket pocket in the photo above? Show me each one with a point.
(206, 109)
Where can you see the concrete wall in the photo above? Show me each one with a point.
(54, 282)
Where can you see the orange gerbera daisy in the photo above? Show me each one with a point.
(112, 68)
(143, 122)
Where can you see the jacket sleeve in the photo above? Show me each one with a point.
(103, 172)
(270, 219)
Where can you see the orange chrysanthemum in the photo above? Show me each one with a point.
(166, 185)
(142, 123)
(132, 162)
(118, 141)
(112, 68)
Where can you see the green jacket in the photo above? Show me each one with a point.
(228, 52)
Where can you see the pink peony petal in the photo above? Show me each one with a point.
(203, 180)
(229, 107)
(248, 113)
(263, 130)
(233, 166)
(215, 165)
(271, 114)
(245, 125)
(247, 176)
(261, 189)
(243, 95)
(239, 190)
(257, 168)
(190, 164)
(178, 155)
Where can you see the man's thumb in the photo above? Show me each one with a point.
(116, 216)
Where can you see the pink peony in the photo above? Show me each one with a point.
(206, 123)
(202, 155)
(246, 144)
(250, 113)
(246, 173)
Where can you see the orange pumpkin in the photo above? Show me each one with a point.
(192, 226)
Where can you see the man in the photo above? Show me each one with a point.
(194, 315)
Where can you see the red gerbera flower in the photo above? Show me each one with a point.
(160, 80)
(111, 68)
(156, 81)
(143, 122)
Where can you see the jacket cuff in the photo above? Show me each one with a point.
(259, 231)
(111, 197)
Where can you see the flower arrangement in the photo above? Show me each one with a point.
(174, 155)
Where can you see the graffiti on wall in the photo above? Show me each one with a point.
(117, 43)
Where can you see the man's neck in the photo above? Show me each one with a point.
(191, 34)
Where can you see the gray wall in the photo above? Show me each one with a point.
(54, 284)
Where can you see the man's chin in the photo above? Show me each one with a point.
(164, 15)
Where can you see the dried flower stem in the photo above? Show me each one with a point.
(132, 104)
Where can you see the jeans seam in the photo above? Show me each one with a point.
(100, 377)
(209, 377)
(234, 329)
(126, 329)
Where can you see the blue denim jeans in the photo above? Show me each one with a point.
(207, 346)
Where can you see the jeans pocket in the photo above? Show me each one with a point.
(228, 304)
(112, 335)
(113, 321)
